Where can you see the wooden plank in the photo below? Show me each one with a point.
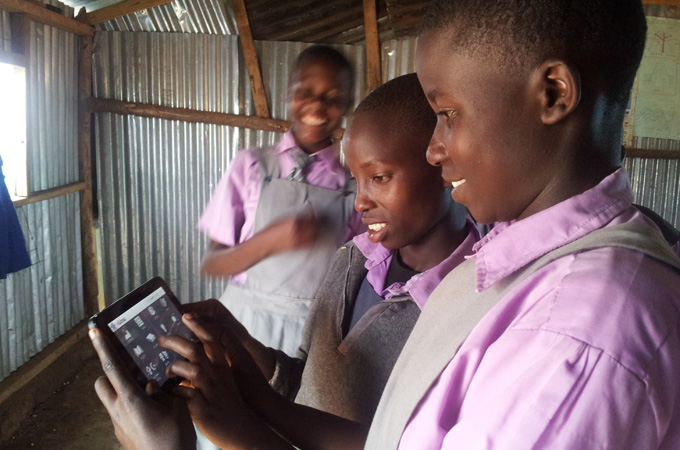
(16, 59)
(250, 56)
(41, 14)
(120, 9)
(26, 373)
(100, 105)
(652, 154)
(372, 45)
(48, 194)
(662, 2)
(88, 249)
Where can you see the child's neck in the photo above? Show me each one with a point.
(436, 245)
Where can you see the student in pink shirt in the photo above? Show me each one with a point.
(364, 310)
(279, 214)
(578, 348)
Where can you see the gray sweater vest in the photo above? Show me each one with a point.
(332, 374)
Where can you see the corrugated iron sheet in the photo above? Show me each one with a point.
(180, 16)
(155, 176)
(398, 57)
(5, 32)
(40, 303)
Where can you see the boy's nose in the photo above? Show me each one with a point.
(436, 152)
(362, 202)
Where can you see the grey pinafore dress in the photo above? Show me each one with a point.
(278, 293)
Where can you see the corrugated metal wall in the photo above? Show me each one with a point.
(156, 176)
(40, 303)
(180, 16)
(5, 34)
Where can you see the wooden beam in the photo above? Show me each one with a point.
(120, 9)
(250, 56)
(372, 45)
(652, 154)
(26, 373)
(100, 105)
(48, 194)
(41, 14)
(662, 2)
(87, 239)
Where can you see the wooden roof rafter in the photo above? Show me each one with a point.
(39, 13)
(119, 10)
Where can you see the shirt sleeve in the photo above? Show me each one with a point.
(555, 392)
(235, 195)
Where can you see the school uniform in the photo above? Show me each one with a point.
(272, 298)
(582, 353)
(349, 345)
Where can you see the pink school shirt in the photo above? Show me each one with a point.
(421, 285)
(229, 217)
(584, 354)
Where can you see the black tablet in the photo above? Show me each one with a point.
(133, 324)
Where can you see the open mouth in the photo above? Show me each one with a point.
(314, 121)
(376, 231)
(455, 184)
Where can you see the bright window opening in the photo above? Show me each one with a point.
(13, 128)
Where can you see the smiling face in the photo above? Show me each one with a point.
(318, 98)
(401, 196)
(489, 140)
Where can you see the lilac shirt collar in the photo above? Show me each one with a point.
(328, 156)
(512, 245)
(421, 285)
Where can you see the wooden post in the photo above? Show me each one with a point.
(89, 255)
(250, 56)
(372, 45)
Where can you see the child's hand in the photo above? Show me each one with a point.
(141, 421)
(221, 343)
(294, 232)
(213, 313)
(218, 319)
(210, 387)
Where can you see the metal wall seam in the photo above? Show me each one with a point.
(5, 32)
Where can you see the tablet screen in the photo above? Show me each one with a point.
(138, 330)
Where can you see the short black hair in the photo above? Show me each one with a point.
(604, 39)
(329, 55)
(402, 103)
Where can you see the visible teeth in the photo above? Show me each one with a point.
(377, 226)
(314, 121)
(455, 184)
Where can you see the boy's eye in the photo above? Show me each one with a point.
(381, 178)
(448, 113)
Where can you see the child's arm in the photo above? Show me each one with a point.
(141, 421)
(217, 409)
(302, 426)
(289, 233)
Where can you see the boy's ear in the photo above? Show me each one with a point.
(560, 90)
